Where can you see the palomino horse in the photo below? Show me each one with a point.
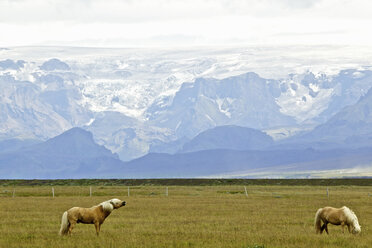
(336, 216)
(95, 215)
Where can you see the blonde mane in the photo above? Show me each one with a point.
(107, 206)
(351, 217)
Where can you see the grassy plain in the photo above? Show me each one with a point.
(190, 216)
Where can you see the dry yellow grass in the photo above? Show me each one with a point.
(205, 216)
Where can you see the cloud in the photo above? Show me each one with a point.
(129, 11)
(122, 23)
(296, 4)
(114, 11)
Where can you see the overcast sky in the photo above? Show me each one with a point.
(169, 23)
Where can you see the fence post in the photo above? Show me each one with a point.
(90, 191)
(128, 191)
(246, 192)
(13, 192)
(166, 191)
(53, 191)
(327, 193)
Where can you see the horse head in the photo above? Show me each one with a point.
(356, 228)
(116, 203)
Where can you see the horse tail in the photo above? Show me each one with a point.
(317, 222)
(64, 225)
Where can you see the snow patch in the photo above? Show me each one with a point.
(211, 120)
(222, 102)
(358, 74)
(90, 122)
(293, 102)
(178, 125)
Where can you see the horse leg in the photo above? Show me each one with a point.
(322, 228)
(343, 227)
(326, 228)
(72, 225)
(348, 228)
(97, 226)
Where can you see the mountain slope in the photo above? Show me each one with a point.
(351, 127)
(315, 98)
(229, 137)
(246, 100)
(124, 135)
(40, 109)
(73, 154)
(349, 86)
(16, 144)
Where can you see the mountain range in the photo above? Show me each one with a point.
(176, 122)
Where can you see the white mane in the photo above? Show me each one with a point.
(351, 217)
(107, 206)
(115, 201)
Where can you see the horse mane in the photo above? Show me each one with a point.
(107, 206)
(350, 215)
(115, 200)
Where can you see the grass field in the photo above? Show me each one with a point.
(190, 216)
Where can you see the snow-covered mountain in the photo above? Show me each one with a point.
(245, 100)
(316, 97)
(139, 101)
(126, 136)
(38, 104)
(350, 127)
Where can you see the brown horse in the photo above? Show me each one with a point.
(336, 216)
(95, 215)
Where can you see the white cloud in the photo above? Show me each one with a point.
(179, 22)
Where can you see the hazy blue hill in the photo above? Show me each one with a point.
(16, 144)
(229, 137)
(75, 142)
(73, 154)
(219, 162)
(54, 64)
(10, 64)
(168, 147)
